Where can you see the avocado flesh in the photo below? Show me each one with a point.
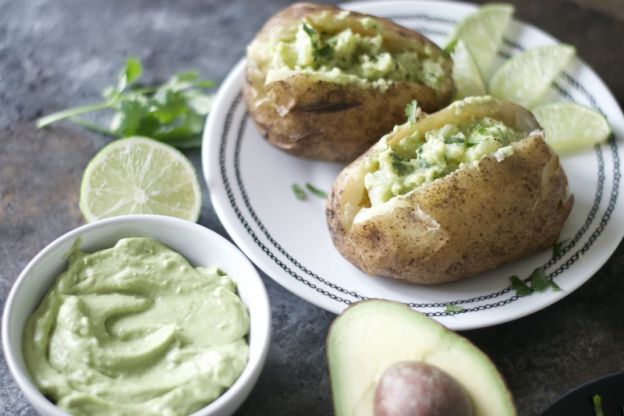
(371, 335)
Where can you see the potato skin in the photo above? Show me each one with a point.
(324, 120)
(470, 221)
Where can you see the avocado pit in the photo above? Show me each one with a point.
(416, 388)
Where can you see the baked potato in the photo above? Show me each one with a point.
(326, 83)
(450, 195)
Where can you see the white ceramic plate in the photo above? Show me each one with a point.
(250, 186)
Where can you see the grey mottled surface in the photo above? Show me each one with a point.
(55, 54)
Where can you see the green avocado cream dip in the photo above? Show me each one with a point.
(136, 330)
(435, 154)
(348, 57)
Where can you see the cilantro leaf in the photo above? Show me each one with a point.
(450, 48)
(455, 140)
(173, 112)
(539, 281)
(134, 69)
(597, 402)
(520, 287)
(309, 31)
(558, 248)
(400, 166)
(453, 309)
(316, 191)
(319, 50)
(298, 191)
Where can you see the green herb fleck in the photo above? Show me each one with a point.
(454, 140)
(412, 111)
(450, 48)
(558, 248)
(400, 166)
(325, 52)
(521, 288)
(309, 31)
(319, 50)
(597, 400)
(539, 281)
(173, 112)
(453, 309)
(298, 191)
(316, 191)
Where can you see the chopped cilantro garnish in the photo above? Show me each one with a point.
(597, 400)
(453, 309)
(422, 163)
(310, 32)
(539, 281)
(558, 248)
(319, 50)
(316, 191)
(298, 191)
(454, 140)
(325, 52)
(400, 167)
(450, 48)
(521, 288)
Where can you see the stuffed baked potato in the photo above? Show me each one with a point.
(451, 195)
(326, 83)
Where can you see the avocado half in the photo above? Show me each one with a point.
(371, 335)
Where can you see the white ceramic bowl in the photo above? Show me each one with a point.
(199, 245)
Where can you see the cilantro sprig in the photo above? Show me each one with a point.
(453, 309)
(320, 50)
(173, 112)
(315, 190)
(537, 282)
(558, 248)
(597, 402)
(301, 195)
(298, 191)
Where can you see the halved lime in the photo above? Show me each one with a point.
(139, 176)
(482, 33)
(465, 73)
(526, 77)
(570, 127)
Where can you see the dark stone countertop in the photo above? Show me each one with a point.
(56, 54)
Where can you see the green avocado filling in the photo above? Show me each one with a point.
(348, 57)
(136, 330)
(435, 154)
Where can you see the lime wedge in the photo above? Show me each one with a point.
(465, 73)
(139, 176)
(571, 127)
(482, 33)
(526, 77)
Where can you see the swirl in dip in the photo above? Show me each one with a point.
(135, 329)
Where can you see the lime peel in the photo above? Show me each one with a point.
(571, 127)
(466, 74)
(482, 33)
(525, 78)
